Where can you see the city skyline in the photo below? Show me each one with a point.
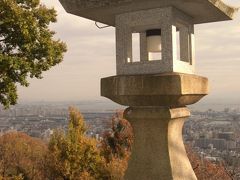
(91, 56)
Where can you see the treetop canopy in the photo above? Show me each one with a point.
(27, 46)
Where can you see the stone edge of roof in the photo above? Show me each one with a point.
(230, 11)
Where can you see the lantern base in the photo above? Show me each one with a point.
(158, 151)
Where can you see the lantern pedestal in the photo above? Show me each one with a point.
(157, 113)
(158, 151)
(169, 89)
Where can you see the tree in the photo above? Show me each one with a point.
(118, 142)
(205, 169)
(27, 47)
(21, 156)
(116, 146)
(74, 155)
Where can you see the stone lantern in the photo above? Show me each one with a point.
(165, 31)
(159, 84)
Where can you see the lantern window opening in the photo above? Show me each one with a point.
(191, 46)
(178, 44)
(154, 56)
(154, 44)
(182, 39)
(135, 47)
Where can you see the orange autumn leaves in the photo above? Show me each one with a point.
(21, 156)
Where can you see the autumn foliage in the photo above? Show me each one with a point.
(206, 170)
(21, 156)
(116, 146)
(72, 155)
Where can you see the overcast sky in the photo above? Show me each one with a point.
(78, 77)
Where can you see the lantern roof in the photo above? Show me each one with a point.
(104, 11)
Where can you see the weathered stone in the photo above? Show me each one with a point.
(171, 21)
(158, 151)
(104, 11)
(155, 90)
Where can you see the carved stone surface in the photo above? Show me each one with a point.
(105, 11)
(155, 90)
(158, 151)
(86, 4)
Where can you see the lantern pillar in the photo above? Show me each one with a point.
(158, 151)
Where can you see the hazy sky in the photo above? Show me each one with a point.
(91, 56)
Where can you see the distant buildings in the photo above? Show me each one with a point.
(40, 121)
